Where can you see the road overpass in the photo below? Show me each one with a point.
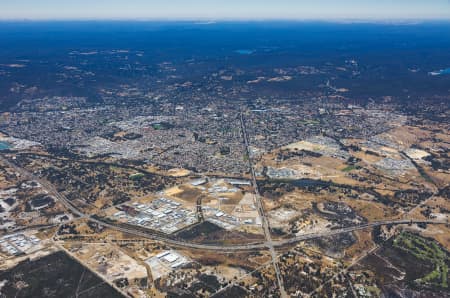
(254, 246)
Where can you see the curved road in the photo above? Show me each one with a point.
(225, 248)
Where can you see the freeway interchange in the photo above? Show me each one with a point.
(268, 243)
(186, 244)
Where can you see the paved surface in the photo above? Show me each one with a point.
(262, 214)
(224, 248)
(269, 243)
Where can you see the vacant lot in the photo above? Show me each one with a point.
(56, 275)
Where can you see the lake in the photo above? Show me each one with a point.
(4, 145)
(440, 72)
(245, 52)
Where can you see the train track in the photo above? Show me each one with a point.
(212, 247)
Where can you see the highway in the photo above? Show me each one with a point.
(262, 213)
(45, 185)
(166, 239)
(219, 248)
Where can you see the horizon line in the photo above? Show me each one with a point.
(231, 19)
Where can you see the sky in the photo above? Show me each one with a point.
(225, 9)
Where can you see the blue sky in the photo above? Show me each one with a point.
(225, 9)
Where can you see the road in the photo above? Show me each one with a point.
(45, 185)
(262, 213)
(185, 244)
(85, 265)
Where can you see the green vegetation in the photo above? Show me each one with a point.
(444, 276)
(429, 251)
(433, 275)
(348, 169)
(137, 176)
(157, 126)
(162, 126)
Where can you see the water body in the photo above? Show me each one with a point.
(245, 52)
(4, 145)
(445, 71)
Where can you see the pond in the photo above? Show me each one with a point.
(445, 71)
(4, 145)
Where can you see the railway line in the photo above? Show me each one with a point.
(220, 248)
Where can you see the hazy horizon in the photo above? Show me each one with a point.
(250, 10)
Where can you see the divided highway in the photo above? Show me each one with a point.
(220, 248)
(261, 211)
